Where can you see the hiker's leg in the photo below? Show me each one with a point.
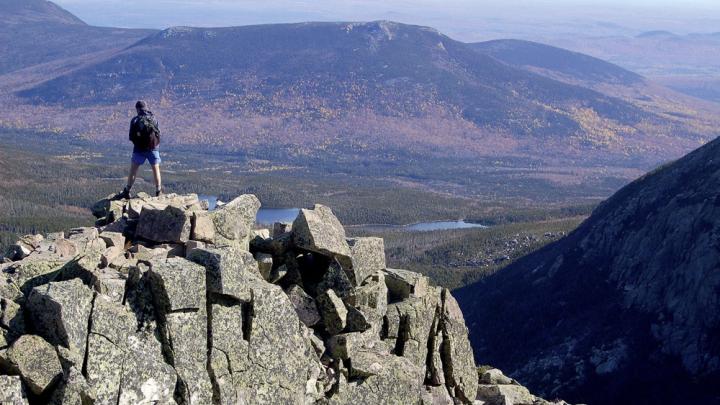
(158, 178)
(133, 174)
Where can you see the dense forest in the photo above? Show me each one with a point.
(49, 182)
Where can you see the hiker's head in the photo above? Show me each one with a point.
(140, 106)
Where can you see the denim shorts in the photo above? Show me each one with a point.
(152, 156)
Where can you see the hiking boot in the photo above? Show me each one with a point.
(158, 193)
(125, 194)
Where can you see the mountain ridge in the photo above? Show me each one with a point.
(321, 77)
(643, 267)
(29, 11)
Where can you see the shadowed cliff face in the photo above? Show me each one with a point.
(625, 309)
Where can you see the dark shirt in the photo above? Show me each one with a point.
(135, 130)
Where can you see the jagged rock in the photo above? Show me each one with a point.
(191, 246)
(108, 209)
(304, 306)
(19, 278)
(111, 326)
(203, 228)
(372, 294)
(36, 361)
(335, 279)
(277, 274)
(333, 312)
(367, 257)
(404, 284)
(23, 247)
(213, 328)
(60, 313)
(158, 252)
(234, 220)
(172, 249)
(55, 236)
(124, 226)
(318, 230)
(394, 384)
(11, 391)
(64, 248)
(458, 362)
(164, 224)
(265, 264)
(227, 270)
(280, 228)
(435, 374)
(177, 284)
(410, 325)
(439, 395)
(146, 382)
(186, 345)
(110, 255)
(344, 345)
(277, 247)
(357, 321)
(134, 208)
(279, 357)
(260, 233)
(124, 362)
(73, 389)
(366, 363)
(505, 395)
(86, 240)
(113, 239)
(107, 281)
(495, 376)
(12, 320)
(229, 347)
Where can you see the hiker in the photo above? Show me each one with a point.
(145, 136)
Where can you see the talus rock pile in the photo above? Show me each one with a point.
(164, 301)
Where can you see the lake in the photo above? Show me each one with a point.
(268, 216)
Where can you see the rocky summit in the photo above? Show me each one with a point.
(164, 301)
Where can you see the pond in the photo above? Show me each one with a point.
(268, 216)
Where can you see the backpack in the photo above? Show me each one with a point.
(148, 134)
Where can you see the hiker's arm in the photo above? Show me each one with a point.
(132, 126)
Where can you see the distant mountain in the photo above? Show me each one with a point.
(656, 34)
(334, 90)
(689, 63)
(625, 309)
(549, 60)
(32, 11)
(36, 31)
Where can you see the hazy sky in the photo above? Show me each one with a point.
(463, 19)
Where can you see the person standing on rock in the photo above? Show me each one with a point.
(145, 136)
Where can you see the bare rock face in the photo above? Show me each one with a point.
(144, 314)
(305, 306)
(36, 361)
(60, 313)
(11, 391)
(318, 230)
(233, 222)
(334, 313)
(160, 223)
(367, 257)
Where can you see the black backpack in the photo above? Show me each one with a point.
(148, 134)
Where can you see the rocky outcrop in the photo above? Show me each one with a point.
(625, 309)
(166, 302)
